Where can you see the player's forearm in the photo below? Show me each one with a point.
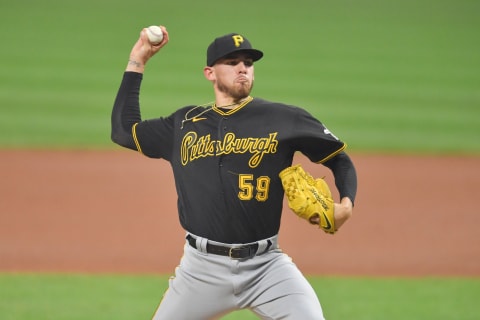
(345, 175)
(126, 110)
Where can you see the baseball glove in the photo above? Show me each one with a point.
(309, 197)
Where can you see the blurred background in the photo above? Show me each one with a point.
(390, 76)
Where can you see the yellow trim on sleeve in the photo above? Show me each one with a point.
(134, 134)
(333, 154)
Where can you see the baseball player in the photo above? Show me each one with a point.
(227, 157)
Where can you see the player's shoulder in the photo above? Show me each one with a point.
(277, 106)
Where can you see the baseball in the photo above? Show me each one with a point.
(155, 34)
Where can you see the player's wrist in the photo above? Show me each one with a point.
(346, 203)
(343, 211)
(135, 65)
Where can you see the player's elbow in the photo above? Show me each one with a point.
(116, 135)
(122, 138)
(115, 138)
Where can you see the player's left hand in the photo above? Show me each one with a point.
(315, 219)
(309, 198)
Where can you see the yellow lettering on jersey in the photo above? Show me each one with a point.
(194, 147)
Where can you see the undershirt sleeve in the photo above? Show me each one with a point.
(126, 110)
(345, 175)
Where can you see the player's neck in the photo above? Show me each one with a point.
(230, 103)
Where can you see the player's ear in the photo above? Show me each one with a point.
(209, 73)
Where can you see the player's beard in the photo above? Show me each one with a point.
(237, 91)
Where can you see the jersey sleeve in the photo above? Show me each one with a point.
(154, 137)
(314, 139)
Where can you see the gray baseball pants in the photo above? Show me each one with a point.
(207, 286)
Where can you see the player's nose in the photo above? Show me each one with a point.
(242, 67)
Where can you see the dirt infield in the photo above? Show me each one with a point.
(115, 212)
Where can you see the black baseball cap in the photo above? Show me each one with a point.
(230, 43)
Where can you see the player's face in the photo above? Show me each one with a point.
(234, 76)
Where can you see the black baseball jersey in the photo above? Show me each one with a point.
(226, 163)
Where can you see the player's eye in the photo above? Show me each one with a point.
(234, 62)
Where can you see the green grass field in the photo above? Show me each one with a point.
(385, 76)
(78, 297)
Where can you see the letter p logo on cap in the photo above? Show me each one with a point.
(238, 40)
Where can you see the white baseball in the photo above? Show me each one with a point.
(155, 34)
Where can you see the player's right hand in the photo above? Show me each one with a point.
(143, 50)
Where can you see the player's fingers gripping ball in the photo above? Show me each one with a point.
(155, 35)
(308, 197)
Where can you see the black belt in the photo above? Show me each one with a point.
(240, 252)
